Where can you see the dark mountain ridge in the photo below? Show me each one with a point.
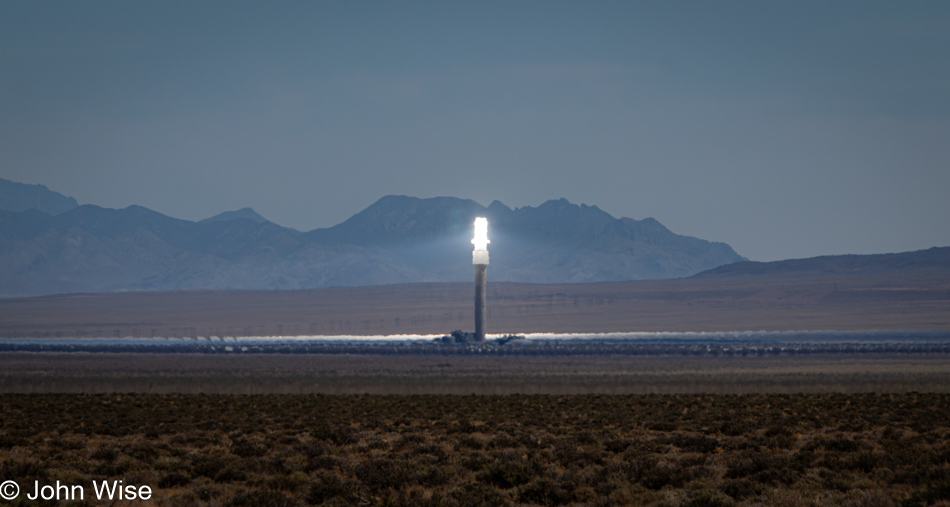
(554, 242)
(241, 214)
(19, 197)
(936, 259)
(398, 239)
(401, 219)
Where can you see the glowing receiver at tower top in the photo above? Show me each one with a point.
(480, 255)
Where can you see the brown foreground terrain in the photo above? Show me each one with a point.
(887, 300)
(47, 372)
(288, 450)
(788, 429)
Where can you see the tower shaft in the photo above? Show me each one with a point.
(480, 271)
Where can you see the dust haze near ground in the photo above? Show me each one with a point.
(777, 303)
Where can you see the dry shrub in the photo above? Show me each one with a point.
(791, 450)
(382, 473)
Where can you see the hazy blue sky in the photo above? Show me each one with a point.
(786, 129)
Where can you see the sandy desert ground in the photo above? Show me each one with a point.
(723, 304)
(26, 372)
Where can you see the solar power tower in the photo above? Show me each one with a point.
(480, 260)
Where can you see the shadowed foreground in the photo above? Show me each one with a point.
(791, 450)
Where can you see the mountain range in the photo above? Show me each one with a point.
(49, 245)
(22, 196)
(932, 262)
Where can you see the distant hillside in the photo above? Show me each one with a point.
(935, 259)
(243, 213)
(555, 242)
(398, 239)
(21, 197)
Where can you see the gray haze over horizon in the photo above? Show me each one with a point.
(785, 129)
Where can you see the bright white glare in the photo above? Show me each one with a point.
(481, 234)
